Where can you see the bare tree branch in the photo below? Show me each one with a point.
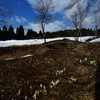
(5, 11)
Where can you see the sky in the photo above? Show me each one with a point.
(23, 14)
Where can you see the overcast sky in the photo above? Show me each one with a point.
(24, 15)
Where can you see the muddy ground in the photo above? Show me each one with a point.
(60, 70)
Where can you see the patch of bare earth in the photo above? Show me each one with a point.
(22, 78)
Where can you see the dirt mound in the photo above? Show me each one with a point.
(89, 49)
(56, 70)
(18, 51)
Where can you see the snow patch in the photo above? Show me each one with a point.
(29, 55)
(83, 39)
(9, 59)
(95, 40)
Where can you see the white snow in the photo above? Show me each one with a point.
(9, 58)
(24, 42)
(40, 41)
(83, 39)
(29, 55)
(19, 42)
(95, 40)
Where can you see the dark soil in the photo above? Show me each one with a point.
(21, 77)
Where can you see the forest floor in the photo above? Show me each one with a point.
(58, 70)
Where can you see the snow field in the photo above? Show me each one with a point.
(41, 41)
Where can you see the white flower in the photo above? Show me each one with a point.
(73, 79)
(19, 91)
(30, 87)
(52, 83)
(64, 69)
(81, 61)
(25, 97)
(44, 87)
(51, 86)
(35, 96)
(85, 59)
(41, 85)
(57, 82)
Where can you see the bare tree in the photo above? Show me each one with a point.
(5, 11)
(96, 23)
(75, 21)
(80, 12)
(44, 9)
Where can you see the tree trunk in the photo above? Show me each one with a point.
(43, 31)
(96, 33)
(80, 32)
(44, 36)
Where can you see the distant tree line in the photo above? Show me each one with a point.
(19, 34)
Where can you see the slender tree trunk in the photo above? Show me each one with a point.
(96, 30)
(44, 37)
(43, 30)
(96, 33)
(80, 32)
(76, 35)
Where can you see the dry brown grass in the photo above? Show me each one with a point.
(26, 74)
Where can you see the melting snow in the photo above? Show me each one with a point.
(40, 41)
(9, 58)
(95, 40)
(29, 55)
